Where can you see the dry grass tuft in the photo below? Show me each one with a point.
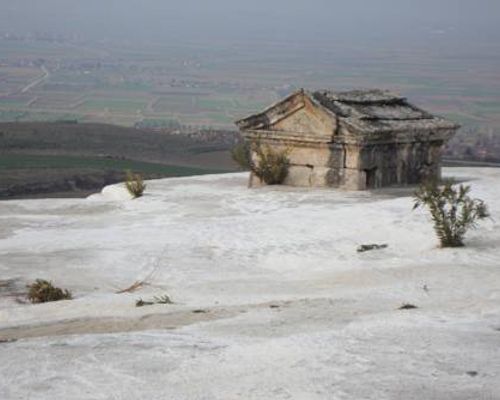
(42, 291)
(135, 184)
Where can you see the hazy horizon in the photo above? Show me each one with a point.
(224, 58)
(289, 20)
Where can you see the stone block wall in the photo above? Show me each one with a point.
(359, 166)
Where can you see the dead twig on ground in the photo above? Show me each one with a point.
(139, 284)
(132, 288)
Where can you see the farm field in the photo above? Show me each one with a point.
(35, 161)
(34, 175)
(211, 86)
(68, 159)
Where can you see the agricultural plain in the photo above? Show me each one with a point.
(193, 84)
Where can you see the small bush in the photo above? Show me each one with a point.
(452, 210)
(272, 165)
(135, 184)
(42, 291)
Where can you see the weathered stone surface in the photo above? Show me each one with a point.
(354, 179)
(299, 176)
(353, 140)
(254, 181)
(308, 119)
(319, 176)
(352, 157)
(317, 156)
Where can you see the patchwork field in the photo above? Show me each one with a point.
(212, 86)
(68, 159)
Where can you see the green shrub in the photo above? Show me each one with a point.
(135, 184)
(452, 210)
(272, 165)
(42, 291)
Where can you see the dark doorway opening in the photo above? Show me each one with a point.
(371, 178)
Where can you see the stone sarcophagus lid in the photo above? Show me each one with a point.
(353, 140)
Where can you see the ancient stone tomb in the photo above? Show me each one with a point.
(354, 140)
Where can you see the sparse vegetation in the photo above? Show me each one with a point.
(42, 291)
(271, 166)
(135, 184)
(452, 210)
(165, 299)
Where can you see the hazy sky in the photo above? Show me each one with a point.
(293, 20)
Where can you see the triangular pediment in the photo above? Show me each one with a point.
(299, 113)
(308, 120)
